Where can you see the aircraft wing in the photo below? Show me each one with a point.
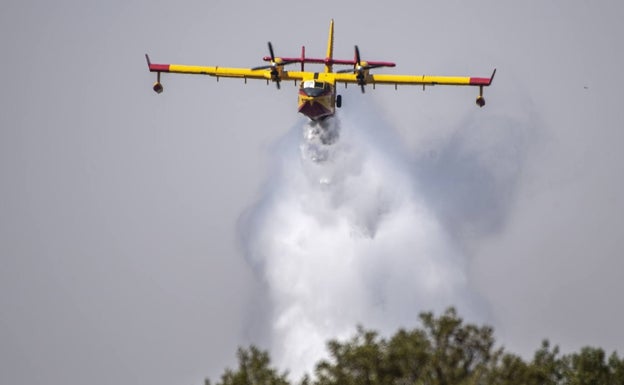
(414, 79)
(225, 72)
(268, 73)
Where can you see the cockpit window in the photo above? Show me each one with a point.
(313, 87)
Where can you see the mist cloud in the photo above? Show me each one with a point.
(346, 233)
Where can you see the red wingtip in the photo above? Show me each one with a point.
(156, 67)
(482, 81)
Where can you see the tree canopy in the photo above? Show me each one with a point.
(444, 350)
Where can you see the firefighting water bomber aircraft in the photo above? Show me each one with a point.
(317, 91)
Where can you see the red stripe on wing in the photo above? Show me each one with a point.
(480, 81)
(483, 81)
(159, 67)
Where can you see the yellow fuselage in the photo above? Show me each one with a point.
(317, 99)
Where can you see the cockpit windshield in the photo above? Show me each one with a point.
(313, 88)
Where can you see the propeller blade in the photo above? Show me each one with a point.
(364, 68)
(273, 64)
(357, 55)
(368, 67)
(363, 89)
(271, 51)
(264, 67)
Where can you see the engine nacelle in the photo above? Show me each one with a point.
(158, 87)
(480, 101)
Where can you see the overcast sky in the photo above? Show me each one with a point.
(120, 259)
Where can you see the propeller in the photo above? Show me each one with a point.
(275, 62)
(359, 69)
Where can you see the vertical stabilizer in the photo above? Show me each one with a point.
(330, 48)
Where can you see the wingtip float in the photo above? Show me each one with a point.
(318, 98)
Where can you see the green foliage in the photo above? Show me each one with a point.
(547, 367)
(460, 354)
(591, 367)
(443, 351)
(359, 361)
(253, 369)
(509, 370)
(616, 369)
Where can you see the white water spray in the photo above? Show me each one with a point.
(343, 237)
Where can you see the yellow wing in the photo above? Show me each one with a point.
(274, 74)
(412, 79)
(362, 77)
(212, 71)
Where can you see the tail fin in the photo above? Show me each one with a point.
(330, 48)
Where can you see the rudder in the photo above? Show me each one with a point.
(329, 57)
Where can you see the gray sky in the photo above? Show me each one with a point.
(119, 260)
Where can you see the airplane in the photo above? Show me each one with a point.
(318, 98)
